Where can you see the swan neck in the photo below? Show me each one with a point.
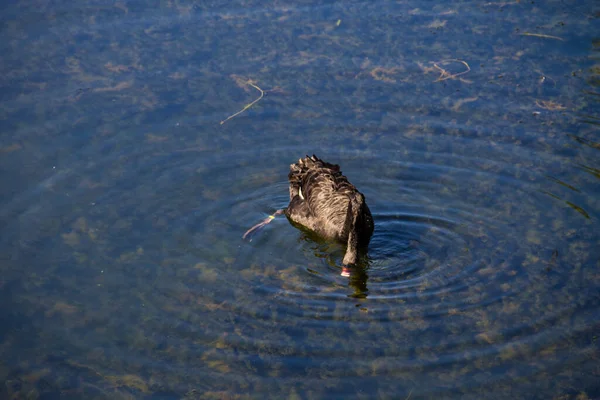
(352, 249)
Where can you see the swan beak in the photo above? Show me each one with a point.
(345, 272)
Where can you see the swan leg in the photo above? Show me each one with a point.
(264, 222)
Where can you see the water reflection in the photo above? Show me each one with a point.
(359, 276)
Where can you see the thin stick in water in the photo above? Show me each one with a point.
(247, 106)
(445, 74)
(541, 35)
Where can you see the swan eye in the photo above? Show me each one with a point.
(300, 193)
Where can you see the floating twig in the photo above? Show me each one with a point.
(447, 75)
(541, 35)
(247, 106)
(507, 3)
(549, 105)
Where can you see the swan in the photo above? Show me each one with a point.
(325, 202)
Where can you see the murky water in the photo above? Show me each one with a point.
(472, 128)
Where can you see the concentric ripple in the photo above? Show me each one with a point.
(454, 273)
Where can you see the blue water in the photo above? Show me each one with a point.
(472, 128)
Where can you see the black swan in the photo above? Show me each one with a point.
(324, 201)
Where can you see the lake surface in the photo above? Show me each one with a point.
(472, 128)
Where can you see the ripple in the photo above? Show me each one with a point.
(450, 277)
(401, 243)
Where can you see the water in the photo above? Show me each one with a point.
(471, 128)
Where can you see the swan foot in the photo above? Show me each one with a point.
(264, 222)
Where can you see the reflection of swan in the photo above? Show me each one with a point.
(322, 200)
(328, 252)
